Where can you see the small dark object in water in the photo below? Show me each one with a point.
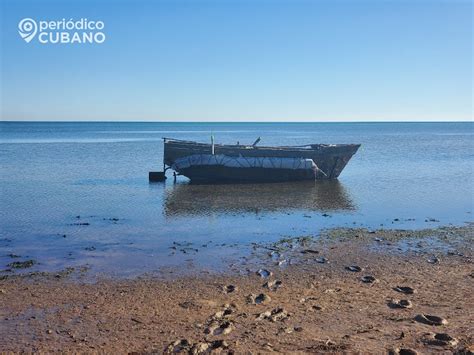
(354, 268)
(264, 273)
(21, 264)
(92, 248)
(81, 224)
(430, 320)
(13, 256)
(405, 289)
(368, 279)
(156, 176)
(440, 339)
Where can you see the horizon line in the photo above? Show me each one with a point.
(99, 121)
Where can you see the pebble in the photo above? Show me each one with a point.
(368, 279)
(277, 314)
(400, 304)
(229, 288)
(310, 251)
(433, 260)
(405, 289)
(403, 351)
(216, 328)
(221, 314)
(178, 346)
(264, 273)
(321, 260)
(430, 320)
(259, 299)
(273, 285)
(440, 339)
(354, 268)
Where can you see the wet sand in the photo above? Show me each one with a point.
(317, 306)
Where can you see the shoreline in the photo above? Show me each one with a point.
(320, 305)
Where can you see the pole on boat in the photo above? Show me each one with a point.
(164, 165)
(212, 144)
(154, 176)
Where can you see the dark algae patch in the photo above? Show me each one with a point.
(22, 264)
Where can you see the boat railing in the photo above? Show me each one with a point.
(243, 145)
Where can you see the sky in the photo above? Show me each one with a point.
(231, 60)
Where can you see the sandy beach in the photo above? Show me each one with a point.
(236, 177)
(351, 290)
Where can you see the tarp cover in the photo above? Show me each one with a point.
(243, 162)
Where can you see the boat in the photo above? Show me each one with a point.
(204, 162)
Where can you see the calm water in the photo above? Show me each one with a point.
(53, 172)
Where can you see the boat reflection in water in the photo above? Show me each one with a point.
(191, 199)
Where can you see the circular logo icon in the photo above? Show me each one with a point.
(27, 29)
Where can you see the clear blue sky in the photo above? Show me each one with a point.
(229, 60)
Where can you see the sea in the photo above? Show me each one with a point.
(77, 194)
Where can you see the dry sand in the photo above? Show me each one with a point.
(318, 307)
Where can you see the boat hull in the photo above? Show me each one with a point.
(224, 174)
(331, 159)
